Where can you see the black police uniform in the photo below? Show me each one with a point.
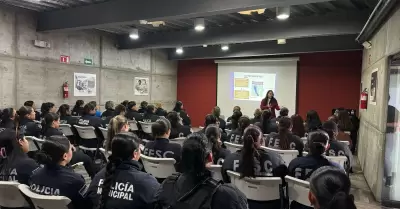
(224, 136)
(20, 170)
(134, 115)
(47, 132)
(303, 167)
(130, 188)
(271, 128)
(150, 117)
(161, 112)
(77, 111)
(295, 143)
(142, 110)
(255, 120)
(9, 124)
(220, 155)
(222, 124)
(90, 120)
(68, 120)
(235, 137)
(180, 131)
(162, 148)
(185, 118)
(337, 148)
(58, 180)
(29, 127)
(107, 113)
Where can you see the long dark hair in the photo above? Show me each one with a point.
(178, 106)
(46, 108)
(195, 150)
(331, 187)
(250, 153)
(63, 110)
(284, 133)
(173, 118)
(53, 150)
(49, 118)
(266, 121)
(6, 116)
(298, 128)
(243, 123)
(331, 128)
(313, 121)
(213, 133)
(344, 122)
(235, 119)
(123, 146)
(11, 151)
(266, 95)
(160, 127)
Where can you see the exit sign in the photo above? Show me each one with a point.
(64, 59)
(88, 61)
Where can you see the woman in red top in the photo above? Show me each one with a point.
(269, 102)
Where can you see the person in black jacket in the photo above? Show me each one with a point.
(284, 139)
(185, 117)
(118, 124)
(119, 110)
(212, 120)
(78, 108)
(213, 134)
(267, 124)
(65, 115)
(121, 184)
(33, 105)
(257, 116)
(149, 116)
(7, 119)
(312, 121)
(46, 108)
(55, 178)
(51, 126)
(234, 122)
(15, 165)
(89, 118)
(235, 109)
(177, 129)
(236, 135)
(109, 110)
(27, 125)
(160, 111)
(161, 147)
(143, 107)
(132, 112)
(196, 155)
(216, 111)
(284, 112)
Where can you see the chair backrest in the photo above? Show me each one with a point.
(106, 154)
(298, 190)
(345, 142)
(259, 189)
(104, 131)
(304, 139)
(86, 132)
(34, 143)
(66, 129)
(10, 196)
(233, 147)
(287, 155)
(228, 131)
(158, 167)
(341, 160)
(178, 140)
(216, 171)
(146, 127)
(133, 125)
(45, 201)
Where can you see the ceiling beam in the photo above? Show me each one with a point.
(268, 48)
(333, 24)
(125, 11)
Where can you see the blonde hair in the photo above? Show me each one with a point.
(158, 105)
(114, 127)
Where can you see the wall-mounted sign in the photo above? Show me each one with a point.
(88, 61)
(64, 59)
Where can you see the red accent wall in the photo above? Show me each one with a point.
(325, 80)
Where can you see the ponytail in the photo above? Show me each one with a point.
(114, 127)
(283, 131)
(342, 200)
(213, 133)
(249, 152)
(244, 122)
(53, 150)
(112, 165)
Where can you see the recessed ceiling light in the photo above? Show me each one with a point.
(205, 45)
(281, 41)
(179, 50)
(224, 47)
(199, 24)
(134, 34)
(282, 13)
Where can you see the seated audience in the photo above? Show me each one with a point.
(46, 108)
(213, 134)
(236, 135)
(160, 111)
(97, 108)
(234, 122)
(337, 148)
(125, 103)
(196, 155)
(284, 139)
(313, 122)
(143, 107)
(298, 128)
(33, 105)
(132, 112)
(257, 116)
(284, 112)
(177, 129)
(65, 115)
(330, 189)
(78, 108)
(333, 118)
(216, 111)
(89, 117)
(235, 109)
(150, 116)
(345, 125)
(15, 165)
(27, 125)
(109, 110)
(118, 124)
(7, 119)
(212, 120)
(119, 110)
(51, 125)
(122, 184)
(267, 124)
(55, 178)
(185, 117)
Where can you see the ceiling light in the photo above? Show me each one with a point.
(282, 13)
(205, 45)
(199, 24)
(179, 50)
(249, 12)
(224, 47)
(282, 41)
(134, 34)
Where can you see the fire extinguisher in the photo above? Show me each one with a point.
(65, 90)
(364, 99)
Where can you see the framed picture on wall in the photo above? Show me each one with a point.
(141, 86)
(374, 87)
(84, 84)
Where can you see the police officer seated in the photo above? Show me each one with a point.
(150, 116)
(234, 119)
(212, 120)
(55, 178)
(213, 134)
(52, 123)
(121, 184)
(267, 124)
(27, 125)
(33, 105)
(177, 129)
(303, 167)
(65, 115)
(109, 110)
(119, 110)
(182, 113)
(89, 119)
(7, 119)
(195, 183)
(118, 124)
(143, 107)
(236, 135)
(78, 108)
(132, 112)
(161, 147)
(216, 111)
(284, 139)
(15, 163)
(252, 161)
(160, 111)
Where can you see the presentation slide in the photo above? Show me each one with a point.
(252, 86)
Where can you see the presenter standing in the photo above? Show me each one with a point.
(269, 102)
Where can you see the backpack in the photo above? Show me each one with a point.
(199, 197)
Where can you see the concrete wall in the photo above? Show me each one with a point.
(31, 73)
(371, 143)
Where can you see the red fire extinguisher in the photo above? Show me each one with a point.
(65, 90)
(364, 99)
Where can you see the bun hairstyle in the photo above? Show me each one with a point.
(210, 119)
(250, 153)
(317, 142)
(53, 150)
(213, 133)
(123, 146)
(114, 127)
(284, 131)
(331, 188)
(331, 128)
(173, 118)
(216, 111)
(63, 110)
(160, 127)
(24, 111)
(243, 123)
(88, 108)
